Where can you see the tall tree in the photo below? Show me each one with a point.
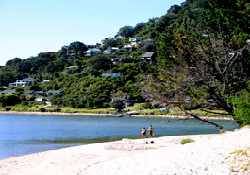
(126, 31)
(77, 47)
(199, 62)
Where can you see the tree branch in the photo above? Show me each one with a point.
(204, 120)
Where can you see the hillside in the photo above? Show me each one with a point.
(195, 52)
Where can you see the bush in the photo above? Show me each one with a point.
(118, 104)
(7, 109)
(187, 140)
(42, 109)
(58, 109)
(25, 103)
(147, 105)
(242, 108)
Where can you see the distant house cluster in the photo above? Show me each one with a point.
(132, 45)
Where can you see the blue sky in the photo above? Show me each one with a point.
(29, 27)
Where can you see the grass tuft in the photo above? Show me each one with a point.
(187, 140)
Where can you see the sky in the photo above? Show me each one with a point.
(28, 27)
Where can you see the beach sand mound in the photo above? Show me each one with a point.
(130, 145)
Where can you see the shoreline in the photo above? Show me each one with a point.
(208, 154)
(177, 117)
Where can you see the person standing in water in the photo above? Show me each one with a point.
(150, 131)
(143, 133)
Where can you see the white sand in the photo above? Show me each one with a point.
(209, 154)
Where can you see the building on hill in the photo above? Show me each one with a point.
(37, 93)
(40, 99)
(22, 83)
(6, 92)
(51, 93)
(148, 56)
(130, 47)
(45, 81)
(122, 60)
(71, 54)
(111, 74)
(134, 41)
(92, 52)
(32, 92)
(111, 50)
(119, 38)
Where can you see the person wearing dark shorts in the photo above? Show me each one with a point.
(150, 131)
(143, 133)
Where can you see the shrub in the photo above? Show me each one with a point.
(187, 140)
(42, 109)
(242, 106)
(147, 105)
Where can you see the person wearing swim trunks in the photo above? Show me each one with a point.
(143, 133)
(150, 131)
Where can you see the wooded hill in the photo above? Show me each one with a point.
(202, 52)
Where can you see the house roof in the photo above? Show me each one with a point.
(148, 55)
(54, 92)
(119, 98)
(93, 50)
(9, 91)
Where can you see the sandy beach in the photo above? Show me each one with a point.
(220, 154)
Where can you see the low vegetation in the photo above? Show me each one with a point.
(187, 140)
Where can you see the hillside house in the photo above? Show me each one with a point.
(45, 81)
(122, 60)
(119, 38)
(29, 92)
(22, 83)
(6, 92)
(92, 52)
(130, 47)
(110, 50)
(134, 41)
(40, 99)
(148, 56)
(51, 93)
(111, 74)
(71, 54)
(35, 93)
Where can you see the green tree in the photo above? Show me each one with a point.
(126, 31)
(77, 47)
(118, 105)
(9, 100)
(97, 63)
(200, 66)
(241, 103)
(13, 61)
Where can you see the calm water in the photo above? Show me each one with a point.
(25, 134)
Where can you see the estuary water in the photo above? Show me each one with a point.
(26, 134)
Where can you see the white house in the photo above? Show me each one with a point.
(134, 41)
(23, 83)
(40, 99)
